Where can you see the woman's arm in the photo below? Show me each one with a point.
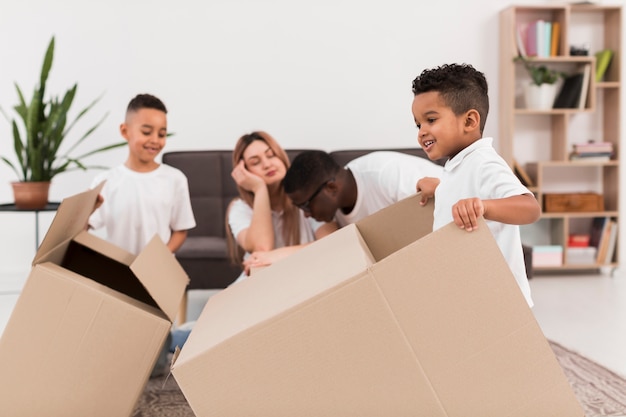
(260, 234)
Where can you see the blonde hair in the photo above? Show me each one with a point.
(291, 214)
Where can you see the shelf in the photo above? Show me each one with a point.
(552, 112)
(575, 164)
(542, 140)
(608, 84)
(578, 215)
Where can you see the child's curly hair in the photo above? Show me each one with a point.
(461, 86)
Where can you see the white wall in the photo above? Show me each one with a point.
(328, 74)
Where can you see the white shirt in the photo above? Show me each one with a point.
(138, 205)
(384, 178)
(240, 217)
(478, 171)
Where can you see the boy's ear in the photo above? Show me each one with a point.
(472, 120)
(124, 130)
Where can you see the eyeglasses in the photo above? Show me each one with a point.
(305, 206)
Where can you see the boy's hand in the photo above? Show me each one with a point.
(466, 213)
(427, 186)
(245, 179)
(99, 201)
(96, 206)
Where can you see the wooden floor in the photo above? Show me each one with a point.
(585, 313)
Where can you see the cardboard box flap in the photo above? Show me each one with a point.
(466, 320)
(313, 270)
(161, 274)
(383, 232)
(70, 219)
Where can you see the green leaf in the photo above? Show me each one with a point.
(44, 129)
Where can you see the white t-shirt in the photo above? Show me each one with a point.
(240, 217)
(138, 205)
(478, 171)
(384, 178)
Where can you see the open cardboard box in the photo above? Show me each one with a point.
(89, 323)
(381, 318)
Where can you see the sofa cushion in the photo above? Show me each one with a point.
(203, 247)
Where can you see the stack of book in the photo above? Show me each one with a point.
(592, 151)
(539, 38)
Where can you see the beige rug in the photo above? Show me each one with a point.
(599, 391)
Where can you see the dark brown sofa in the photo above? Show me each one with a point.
(204, 255)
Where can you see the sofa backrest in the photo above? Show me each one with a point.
(344, 156)
(211, 187)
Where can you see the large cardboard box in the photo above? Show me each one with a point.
(89, 323)
(378, 319)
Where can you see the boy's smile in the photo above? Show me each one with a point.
(145, 130)
(441, 132)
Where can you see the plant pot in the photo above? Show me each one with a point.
(30, 195)
(540, 97)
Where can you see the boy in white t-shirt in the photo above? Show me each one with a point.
(450, 109)
(324, 190)
(142, 197)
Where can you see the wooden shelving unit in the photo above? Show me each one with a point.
(542, 140)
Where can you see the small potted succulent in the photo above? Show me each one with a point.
(42, 127)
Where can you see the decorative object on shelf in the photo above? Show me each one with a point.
(573, 202)
(547, 255)
(37, 142)
(603, 59)
(540, 93)
(539, 97)
(579, 50)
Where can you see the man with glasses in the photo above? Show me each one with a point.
(326, 191)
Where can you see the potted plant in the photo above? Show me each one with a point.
(37, 142)
(541, 91)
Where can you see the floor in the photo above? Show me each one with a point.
(585, 313)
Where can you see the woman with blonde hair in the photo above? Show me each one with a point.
(263, 224)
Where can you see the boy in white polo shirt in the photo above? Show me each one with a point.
(450, 109)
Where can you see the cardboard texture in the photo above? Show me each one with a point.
(89, 323)
(380, 318)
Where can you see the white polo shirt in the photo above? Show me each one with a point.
(384, 178)
(478, 171)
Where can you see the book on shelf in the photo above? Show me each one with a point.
(603, 59)
(521, 173)
(584, 91)
(590, 157)
(531, 39)
(538, 38)
(569, 95)
(592, 151)
(556, 38)
(605, 240)
(610, 252)
(593, 147)
(598, 224)
(520, 38)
